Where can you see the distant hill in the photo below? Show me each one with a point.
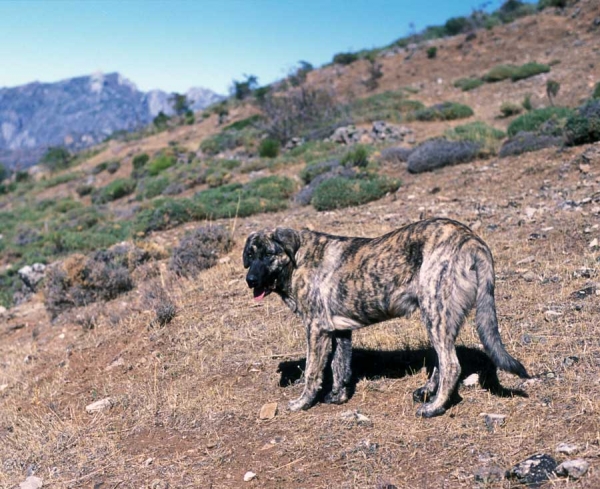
(77, 113)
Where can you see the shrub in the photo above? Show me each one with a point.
(115, 190)
(313, 170)
(59, 179)
(383, 106)
(446, 111)
(499, 73)
(113, 167)
(437, 153)
(139, 161)
(466, 84)
(81, 280)
(57, 158)
(431, 52)
(396, 154)
(596, 92)
(99, 168)
(542, 4)
(533, 121)
(22, 176)
(251, 121)
(527, 105)
(199, 250)
(584, 126)
(216, 177)
(243, 89)
(552, 89)
(167, 213)
(152, 187)
(525, 142)
(160, 163)
(358, 157)
(161, 121)
(268, 148)
(457, 25)
(509, 109)
(528, 70)
(487, 137)
(345, 58)
(4, 172)
(340, 192)
(375, 72)
(84, 189)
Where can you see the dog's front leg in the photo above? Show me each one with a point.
(317, 354)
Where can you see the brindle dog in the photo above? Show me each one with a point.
(338, 284)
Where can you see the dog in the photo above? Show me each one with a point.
(337, 284)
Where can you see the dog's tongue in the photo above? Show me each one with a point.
(259, 295)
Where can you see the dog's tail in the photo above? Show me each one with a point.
(486, 320)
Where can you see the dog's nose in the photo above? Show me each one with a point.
(252, 281)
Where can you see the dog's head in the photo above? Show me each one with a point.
(268, 256)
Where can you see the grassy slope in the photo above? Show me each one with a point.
(188, 395)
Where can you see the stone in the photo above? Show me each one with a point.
(471, 380)
(529, 276)
(534, 470)
(552, 315)
(573, 468)
(528, 259)
(489, 474)
(492, 421)
(159, 484)
(32, 275)
(567, 448)
(100, 405)
(268, 411)
(355, 416)
(248, 476)
(32, 482)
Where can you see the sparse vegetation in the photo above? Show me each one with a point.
(446, 111)
(508, 109)
(583, 127)
(487, 137)
(268, 148)
(389, 106)
(116, 189)
(57, 158)
(431, 52)
(160, 162)
(467, 84)
(356, 157)
(515, 73)
(552, 89)
(596, 92)
(151, 187)
(345, 58)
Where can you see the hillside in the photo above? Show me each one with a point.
(78, 113)
(163, 328)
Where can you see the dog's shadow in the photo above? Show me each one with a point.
(396, 364)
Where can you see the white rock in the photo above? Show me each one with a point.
(100, 405)
(552, 315)
(471, 380)
(573, 468)
(528, 259)
(32, 482)
(567, 448)
(594, 243)
(248, 476)
(268, 411)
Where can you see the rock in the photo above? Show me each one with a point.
(594, 243)
(3, 311)
(489, 474)
(570, 361)
(294, 143)
(148, 461)
(529, 259)
(552, 315)
(585, 292)
(31, 275)
(529, 276)
(100, 405)
(268, 411)
(471, 380)
(305, 195)
(573, 468)
(492, 421)
(382, 131)
(567, 448)
(346, 135)
(533, 470)
(32, 482)
(248, 476)
(355, 416)
(159, 484)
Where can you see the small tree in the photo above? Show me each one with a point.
(298, 75)
(374, 71)
(552, 88)
(243, 89)
(180, 103)
(57, 158)
(161, 120)
(3, 172)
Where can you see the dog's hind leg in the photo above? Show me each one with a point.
(318, 350)
(340, 367)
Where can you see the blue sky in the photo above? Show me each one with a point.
(176, 44)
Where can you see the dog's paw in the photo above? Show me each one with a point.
(339, 397)
(299, 404)
(428, 411)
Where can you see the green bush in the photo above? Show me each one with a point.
(446, 111)
(339, 192)
(596, 92)
(358, 156)
(528, 70)
(345, 58)
(57, 158)
(244, 123)
(499, 73)
(113, 166)
(139, 161)
(268, 148)
(532, 121)
(383, 106)
(84, 189)
(584, 126)
(527, 105)
(216, 177)
(151, 187)
(431, 52)
(542, 4)
(167, 213)
(117, 189)
(487, 137)
(99, 168)
(59, 179)
(4, 172)
(313, 170)
(225, 140)
(160, 163)
(457, 25)
(509, 109)
(466, 84)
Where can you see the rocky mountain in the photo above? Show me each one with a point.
(77, 113)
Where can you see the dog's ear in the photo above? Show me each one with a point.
(246, 253)
(289, 239)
